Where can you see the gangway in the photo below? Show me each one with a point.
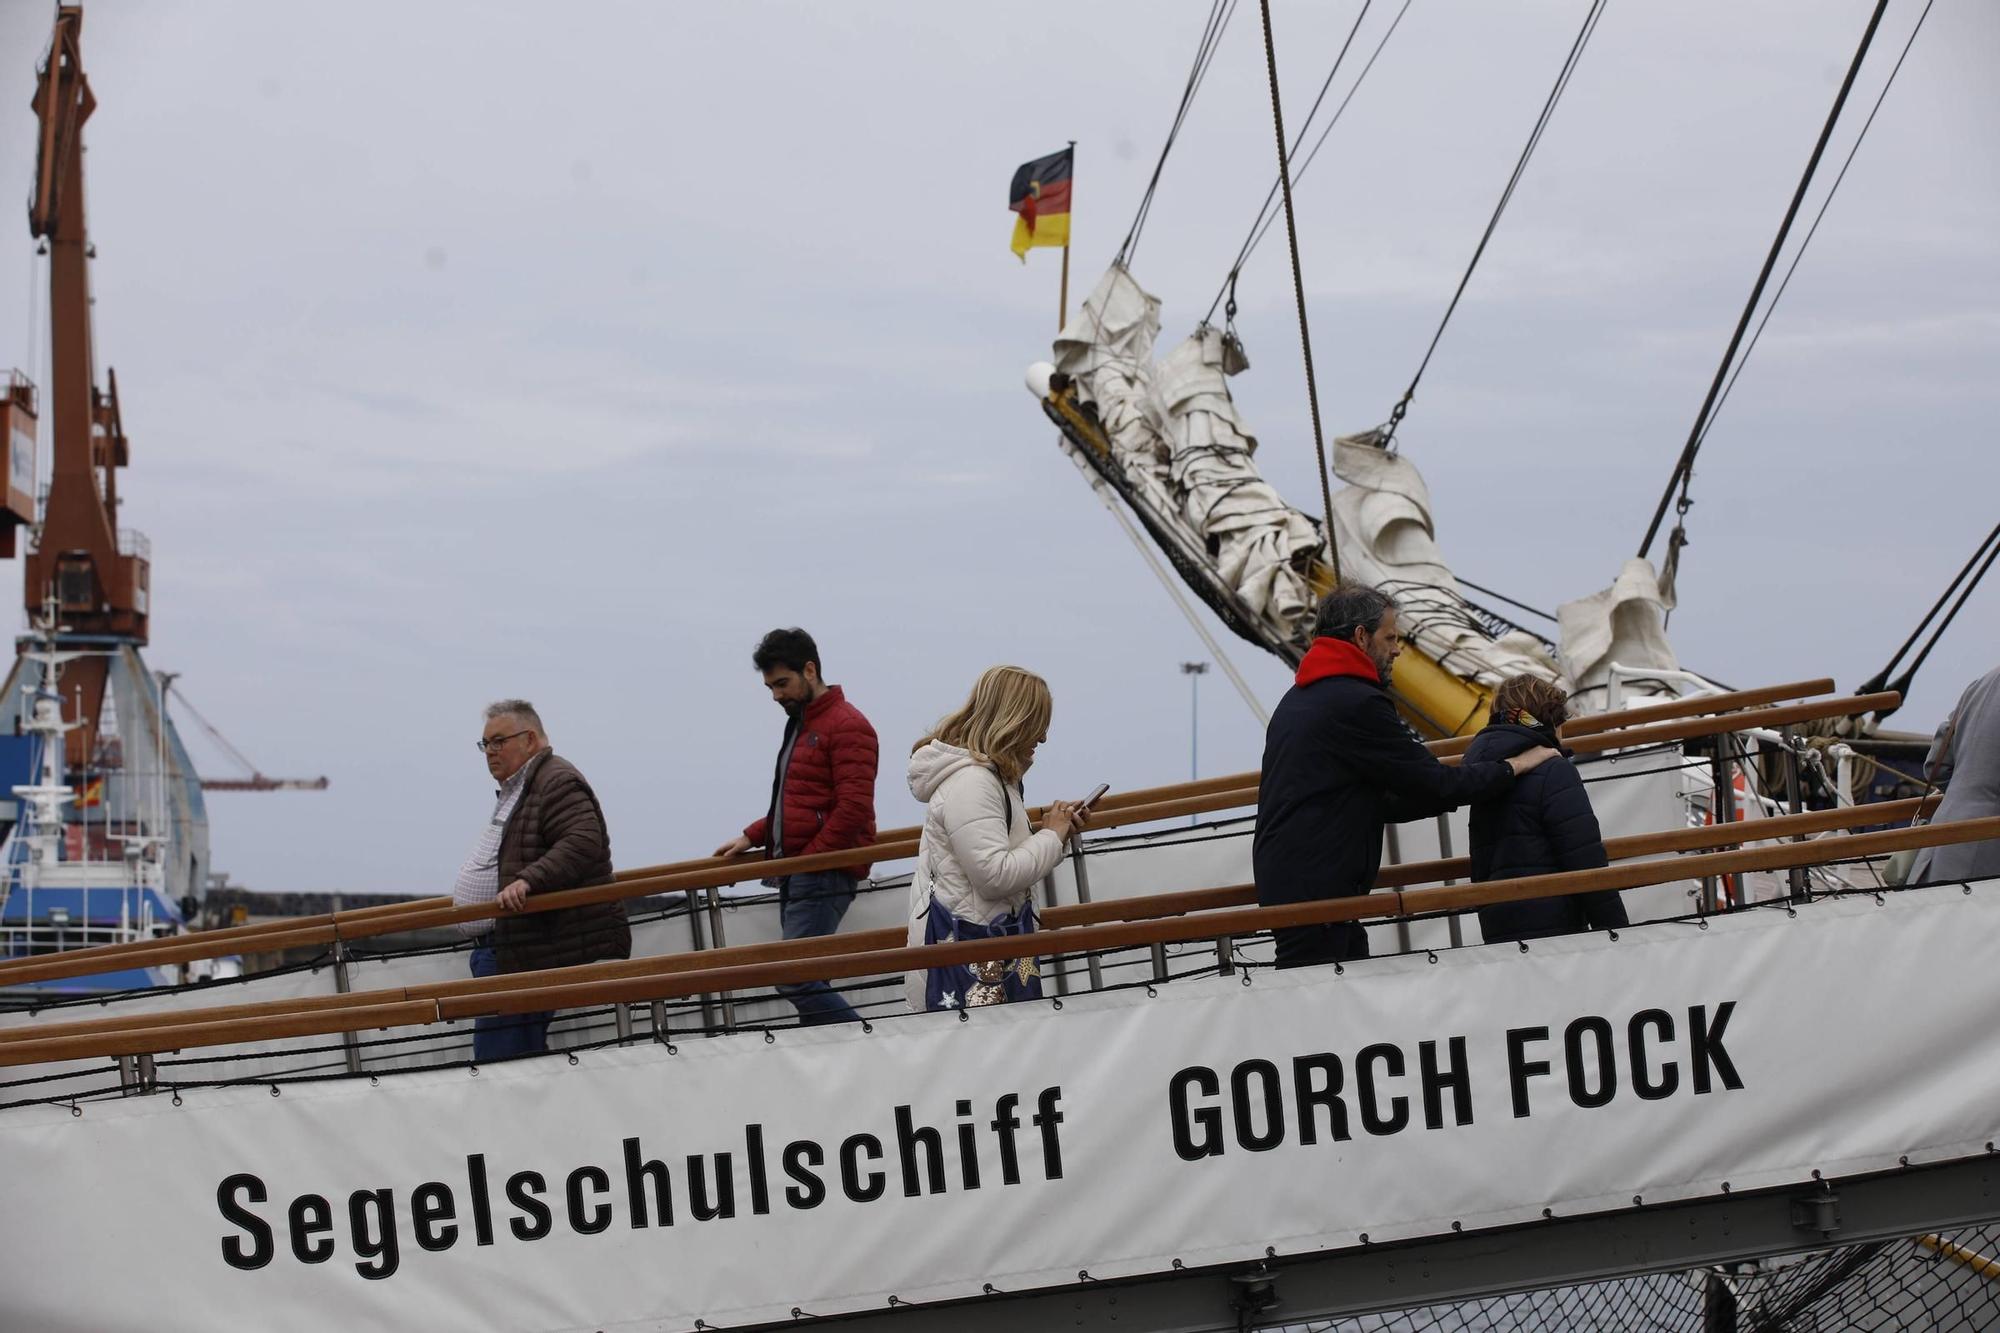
(1442, 1125)
(1160, 1133)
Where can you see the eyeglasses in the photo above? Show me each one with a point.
(490, 743)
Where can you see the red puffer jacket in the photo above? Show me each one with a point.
(829, 788)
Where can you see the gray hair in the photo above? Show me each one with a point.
(1350, 607)
(519, 709)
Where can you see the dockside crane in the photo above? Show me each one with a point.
(257, 781)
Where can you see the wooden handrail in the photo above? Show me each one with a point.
(1112, 811)
(1731, 701)
(1075, 914)
(371, 922)
(1205, 925)
(1783, 715)
(1700, 705)
(1209, 795)
(1073, 939)
(1661, 733)
(816, 960)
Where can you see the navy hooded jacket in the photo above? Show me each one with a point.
(1542, 826)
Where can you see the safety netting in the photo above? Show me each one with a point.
(1928, 1283)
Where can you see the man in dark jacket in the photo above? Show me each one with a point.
(822, 800)
(1339, 766)
(547, 834)
(1544, 825)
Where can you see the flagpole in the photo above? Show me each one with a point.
(1062, 301)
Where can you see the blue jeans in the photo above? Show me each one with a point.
(501, 1036)
(809, 906)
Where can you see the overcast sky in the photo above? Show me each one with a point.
(482, 350)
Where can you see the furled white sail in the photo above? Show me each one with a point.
(1189, 456)
(1383, 518)
(1261, 546)
(1625, 624)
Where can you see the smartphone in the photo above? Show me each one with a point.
(1097, 795)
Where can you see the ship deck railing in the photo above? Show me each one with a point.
(1768, 707)
(1211, 916)
(1135, 932)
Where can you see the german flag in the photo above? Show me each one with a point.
(1040, 196)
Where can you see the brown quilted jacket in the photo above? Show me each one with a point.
(556, 839)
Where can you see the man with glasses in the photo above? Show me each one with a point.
(546, 834)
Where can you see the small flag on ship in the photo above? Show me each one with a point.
(1039, 197)
(92, 794)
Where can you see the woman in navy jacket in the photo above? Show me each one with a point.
(1541, 825)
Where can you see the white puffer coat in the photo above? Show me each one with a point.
(978, 863)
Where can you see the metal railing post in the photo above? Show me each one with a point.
(698, 936)
(621, 1021)
(658, 1011)
(1058, 963)
(343, 984)
(1159, 962)
(1392, 847)
(1081, 870)
(1225, 955)
(1795, 802)
(721, 942)
(1725, 807)
(1452, 922)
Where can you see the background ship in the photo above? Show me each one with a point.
(106, 826)
(110, 838)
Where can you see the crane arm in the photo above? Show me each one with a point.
(256, 781)
(63, 101)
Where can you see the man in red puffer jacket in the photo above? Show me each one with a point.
(822, 800)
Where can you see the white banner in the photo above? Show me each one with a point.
(737, 1179)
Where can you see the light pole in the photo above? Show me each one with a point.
(1194, 671)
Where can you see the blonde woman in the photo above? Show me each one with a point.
(977, 861)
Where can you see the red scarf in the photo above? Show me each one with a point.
(1336, 657)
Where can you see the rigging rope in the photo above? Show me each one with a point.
(1194, 620)
(1583, 35)
(1299, 288)
(187, 705)
(1813, 230)
(1533, 611)
(1265, 216)
(1902, 683)
(1988, 548)
(1298, 172)
(1219, 14)
(1684, 466)
(1950, 588)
